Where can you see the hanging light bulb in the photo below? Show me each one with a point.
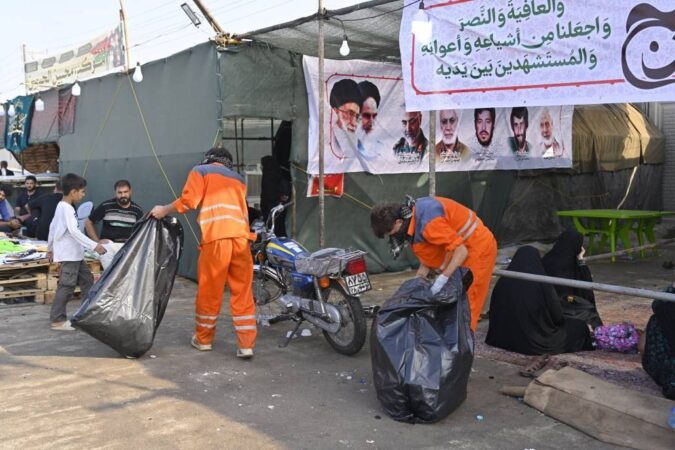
(344, 48)
(138, 75)
(11, 111)
(76, 90)
(421, 25)
(39, 104)
(2, 110)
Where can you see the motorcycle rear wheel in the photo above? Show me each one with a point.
(351, 336)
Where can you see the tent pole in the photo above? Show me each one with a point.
(622, 290)
(322, 94)
(123, 19)
(432, 153)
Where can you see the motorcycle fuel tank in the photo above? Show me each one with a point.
(283, 251)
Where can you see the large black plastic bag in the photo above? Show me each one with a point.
(126, 305)
(422, 350)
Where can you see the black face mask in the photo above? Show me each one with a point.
(400, 240)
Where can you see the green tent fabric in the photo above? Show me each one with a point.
(186, 97)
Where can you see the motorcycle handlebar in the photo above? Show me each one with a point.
(273, 214)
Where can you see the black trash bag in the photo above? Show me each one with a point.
(125, 306)
(421, 349)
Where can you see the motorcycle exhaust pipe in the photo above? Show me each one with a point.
(310, 309)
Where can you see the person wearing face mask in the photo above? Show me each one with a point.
(119, 215)
(444, 235)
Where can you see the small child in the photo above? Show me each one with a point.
(66, 245)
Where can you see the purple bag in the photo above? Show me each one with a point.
(618, 337)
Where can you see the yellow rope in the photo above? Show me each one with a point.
(154, 151)
(102, 127)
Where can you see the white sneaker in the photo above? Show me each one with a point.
(245, 353)
(62, 326)
(200, 347)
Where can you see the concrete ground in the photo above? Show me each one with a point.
(67, 390)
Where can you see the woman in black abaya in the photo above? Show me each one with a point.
(565, 260)
(526, 317)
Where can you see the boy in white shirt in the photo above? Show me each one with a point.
(66, 246)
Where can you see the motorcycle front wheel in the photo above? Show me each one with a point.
(351, 336)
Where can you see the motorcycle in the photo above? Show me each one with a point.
(322, 288)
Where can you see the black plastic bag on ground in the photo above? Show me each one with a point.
(125, 306)
(422, 350)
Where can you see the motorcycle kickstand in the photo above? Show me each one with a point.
(290, 336)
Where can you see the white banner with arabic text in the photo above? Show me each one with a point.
(91, 59)
(539, 52)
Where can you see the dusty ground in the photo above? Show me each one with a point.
(67, 390)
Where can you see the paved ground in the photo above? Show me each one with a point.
(66, 390)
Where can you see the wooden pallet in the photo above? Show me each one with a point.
(22, 265)
(23, 285)
(53, 279)
(94, 266)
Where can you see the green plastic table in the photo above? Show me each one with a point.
(611, 224)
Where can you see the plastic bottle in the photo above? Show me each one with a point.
(671, 419)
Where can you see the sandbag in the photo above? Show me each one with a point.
(422, 350)
(125, 306)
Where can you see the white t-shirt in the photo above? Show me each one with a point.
(65, 238)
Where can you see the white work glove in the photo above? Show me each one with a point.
(438, 284)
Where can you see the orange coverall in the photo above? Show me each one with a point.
(440, 225)
(225, 256)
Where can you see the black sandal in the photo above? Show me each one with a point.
(535, 366)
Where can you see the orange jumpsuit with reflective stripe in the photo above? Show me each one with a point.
(225, 256)
(440, 225)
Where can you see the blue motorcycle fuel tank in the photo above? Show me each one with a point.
(282, 252)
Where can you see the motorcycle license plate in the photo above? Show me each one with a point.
(358, 283)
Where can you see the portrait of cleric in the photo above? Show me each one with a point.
(549, 146)
(519, 122)
(450, 149)
(369, 143)
(412, 147)
(345, 101)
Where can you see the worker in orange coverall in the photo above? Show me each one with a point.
(444, 236)
(225, 255)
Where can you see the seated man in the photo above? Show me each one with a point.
(29, 194)
(28, 220)
(119, 215)
(42, 209)
(8, 223)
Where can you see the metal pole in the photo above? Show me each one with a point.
(294, 210)
(214, 24)
(23, 67)
(432, 153)
(127, 50)
(628, 250)
(322, 94)
(622, 290)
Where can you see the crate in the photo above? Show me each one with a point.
(53, 279)
(15, 284)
